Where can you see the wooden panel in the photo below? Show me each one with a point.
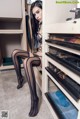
(10, 8)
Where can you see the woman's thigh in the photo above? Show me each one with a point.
(20, 53)
(34, 61)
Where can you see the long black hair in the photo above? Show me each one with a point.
(34, 22)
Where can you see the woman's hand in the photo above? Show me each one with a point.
(39, 53)
(31, 54)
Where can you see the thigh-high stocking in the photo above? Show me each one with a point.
(28, 66)
(15, 57)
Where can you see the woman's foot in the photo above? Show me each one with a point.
(34, 108)
(20, 83)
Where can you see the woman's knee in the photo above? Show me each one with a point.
(27, 62)
(14, 52)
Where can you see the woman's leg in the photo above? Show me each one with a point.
(15, 57)
(28, 66)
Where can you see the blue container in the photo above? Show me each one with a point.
(64, 106)
(8, 61)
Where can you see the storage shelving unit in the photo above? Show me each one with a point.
(70, 73)
(12, 28)
(51, 27)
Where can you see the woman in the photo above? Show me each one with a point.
(32, 60)
(29, 63)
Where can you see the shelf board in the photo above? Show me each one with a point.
(71, 74)
(10, 19)
(8, 67)
(77, 52)
(10, 31)
(76, 104)
(68, 27)
(50, 107)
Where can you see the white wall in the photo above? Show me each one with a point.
(78, 5)
(57, 12)
(10, 9)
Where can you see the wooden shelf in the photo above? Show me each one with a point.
(5, 19)
(50, 107)
(77, 52)
(12, 28)
(54, 23)
(71, 74)
(67, 27)
(10, 31)
(8, 67)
